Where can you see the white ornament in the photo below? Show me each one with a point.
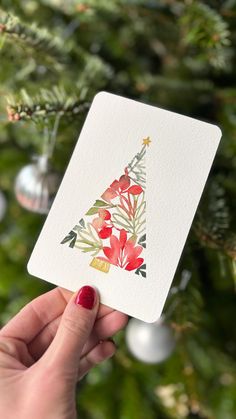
(150, 342)
(3, 205)
(36, 186)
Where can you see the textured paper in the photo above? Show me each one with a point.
(179, 152)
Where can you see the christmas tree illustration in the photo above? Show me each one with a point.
(113, 230)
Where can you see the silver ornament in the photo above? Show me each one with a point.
(150, 342)
(36, 186)
(3, 205)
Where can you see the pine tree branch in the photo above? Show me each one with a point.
(185, 302)
(72, 6)
(228, 245)
(212, 222)
(36, 38)
(46, 103)
(206, 30)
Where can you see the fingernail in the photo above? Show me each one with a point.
(86, 297)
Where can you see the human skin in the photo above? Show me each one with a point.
(50, 345)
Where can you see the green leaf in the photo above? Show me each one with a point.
(141, 270)
(92, 211)
(88, 249)
(140, 211)
(72, 236)
(100, 203)
(81, 222)
(142, 241)
(122, 221)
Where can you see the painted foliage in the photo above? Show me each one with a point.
(113, 230)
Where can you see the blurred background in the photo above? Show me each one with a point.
(179, 55)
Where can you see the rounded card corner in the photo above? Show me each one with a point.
(152, 317)
(100, 95)
(218, 132)
(29, 267)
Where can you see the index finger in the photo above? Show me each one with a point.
(32, 319)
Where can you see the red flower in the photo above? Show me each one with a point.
(123, 252)
(119, 187)
(135, 190)
(103, 229)
(116, 188)
(105, 232)
(105, 214)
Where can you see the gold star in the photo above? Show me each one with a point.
(146, 141)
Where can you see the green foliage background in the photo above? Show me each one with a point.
(179, 55)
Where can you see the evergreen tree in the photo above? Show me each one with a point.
(179, 55)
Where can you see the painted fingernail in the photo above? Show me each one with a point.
(86, 297)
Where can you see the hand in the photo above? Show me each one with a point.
(47, 347)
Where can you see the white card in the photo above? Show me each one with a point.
(124, 208)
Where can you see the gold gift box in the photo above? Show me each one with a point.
(101, 265)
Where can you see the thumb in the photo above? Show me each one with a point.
(75, 327)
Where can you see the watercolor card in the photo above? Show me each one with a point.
(124, 208)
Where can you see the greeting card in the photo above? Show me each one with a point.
(123, 211)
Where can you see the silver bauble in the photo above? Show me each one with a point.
(36, 186)
(150, 342)
(3, 205)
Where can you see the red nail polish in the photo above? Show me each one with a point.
(86, 297)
